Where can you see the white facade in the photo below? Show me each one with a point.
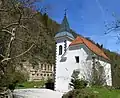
(61, 69)
(65, 67)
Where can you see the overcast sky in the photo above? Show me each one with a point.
(87, 18)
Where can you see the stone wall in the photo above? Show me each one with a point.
(43, 71)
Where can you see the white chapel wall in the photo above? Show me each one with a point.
(65, 69)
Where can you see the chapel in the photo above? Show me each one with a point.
(77, 53)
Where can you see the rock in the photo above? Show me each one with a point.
(6, 93)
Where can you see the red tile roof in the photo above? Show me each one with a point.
(90, 45)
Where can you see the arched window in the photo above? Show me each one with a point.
(60, 50)
(48, 67)
(45, 66)
(41, 66)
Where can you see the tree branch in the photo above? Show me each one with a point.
(12, 24)
(2, 55)
(4, 10)
(24, 27)
(7, 31)
(6, 59)
(24, 52)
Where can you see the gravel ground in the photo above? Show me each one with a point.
(36, 93)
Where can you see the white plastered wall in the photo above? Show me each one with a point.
(65, 69)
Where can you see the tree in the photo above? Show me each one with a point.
(76, 82)
(98, 74)
(15, 15)
(95, 73)
(114, 26)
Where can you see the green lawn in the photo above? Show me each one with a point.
(31, 84)
(102, 92)
(105, 93)
(93, 92)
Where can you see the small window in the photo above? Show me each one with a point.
(45, 66)
(44, 74)
(41, 66)
(41, 74)
(51, 68)
(33, 74)
(60, 50)
(48, 67)
(47, 74)
(77, 59)
(37, 74)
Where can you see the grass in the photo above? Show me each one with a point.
(93, 92)
(31, 84)
(104, 92)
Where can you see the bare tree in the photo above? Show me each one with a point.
(113, 26)
(14, 15)
(95, 73)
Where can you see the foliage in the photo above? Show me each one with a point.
(93, 92)
(98, 74)
(49, 84)
(115, 62)
(77, 83)
(31, 84)
(80, 93)
(49, 80)
(13, 41)
(12, 79)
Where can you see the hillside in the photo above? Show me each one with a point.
(114, 57)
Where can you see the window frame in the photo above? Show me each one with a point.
(77, 59)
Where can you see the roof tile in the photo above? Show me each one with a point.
(90, 45)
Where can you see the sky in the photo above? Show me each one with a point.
(88, 18)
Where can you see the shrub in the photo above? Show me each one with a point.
(50, 84)
(16, 77)
(80, 94)
(50, 80)
(77, 83)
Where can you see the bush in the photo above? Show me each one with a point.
(77, 83)
(80, 94)
(50, 80)
(20, 85)
(12, 79)
(50, 84)
(31, 84)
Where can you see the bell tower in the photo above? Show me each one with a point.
(63, 39)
